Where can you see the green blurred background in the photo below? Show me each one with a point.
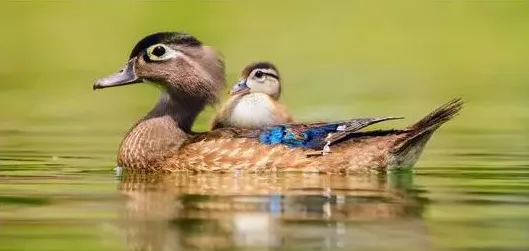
(338, 59)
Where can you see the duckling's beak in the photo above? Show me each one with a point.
(240, 88)
(125, 76)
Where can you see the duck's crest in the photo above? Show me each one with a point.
(164, 37)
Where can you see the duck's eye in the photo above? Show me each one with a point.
(259, 74)
(158, 51)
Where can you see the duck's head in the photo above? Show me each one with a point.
(177, 62)
(260, 77)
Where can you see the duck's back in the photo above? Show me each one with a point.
(255, 110)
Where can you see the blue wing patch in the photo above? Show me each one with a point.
(297, 137)
(314, 135)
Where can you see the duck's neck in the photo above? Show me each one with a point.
(179, 112)
(160, 133)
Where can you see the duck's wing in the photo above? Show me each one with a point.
(355, 125)
(316, 135)
(306, 135)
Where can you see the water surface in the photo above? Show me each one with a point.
(469, 191)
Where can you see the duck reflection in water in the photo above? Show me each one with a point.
(288, 211)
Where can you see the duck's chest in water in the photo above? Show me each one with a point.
(253, 110)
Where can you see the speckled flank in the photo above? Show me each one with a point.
(229, 154)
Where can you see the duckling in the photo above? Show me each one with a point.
(254, 100)
(191, 75)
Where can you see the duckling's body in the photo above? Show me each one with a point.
(191, 76)
(252, 110)
(254, 101)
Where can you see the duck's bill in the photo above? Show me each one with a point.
(240, 88)
(125, 76)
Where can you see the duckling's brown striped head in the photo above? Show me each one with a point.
(259, 77)
(178, 62)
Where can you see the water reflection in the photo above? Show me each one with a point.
(287, 211)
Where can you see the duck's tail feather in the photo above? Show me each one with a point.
(419, 133)
(438, 117)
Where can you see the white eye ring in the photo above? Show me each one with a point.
(161, 52)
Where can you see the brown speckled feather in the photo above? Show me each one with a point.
(225, 152)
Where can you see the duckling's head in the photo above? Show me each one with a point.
(260, 77)
(177, 62)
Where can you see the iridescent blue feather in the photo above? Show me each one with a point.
(315, 136)
(294, 137)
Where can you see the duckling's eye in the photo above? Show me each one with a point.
(158, 51)
(259, 74)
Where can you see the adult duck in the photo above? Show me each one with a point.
(191, 75)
